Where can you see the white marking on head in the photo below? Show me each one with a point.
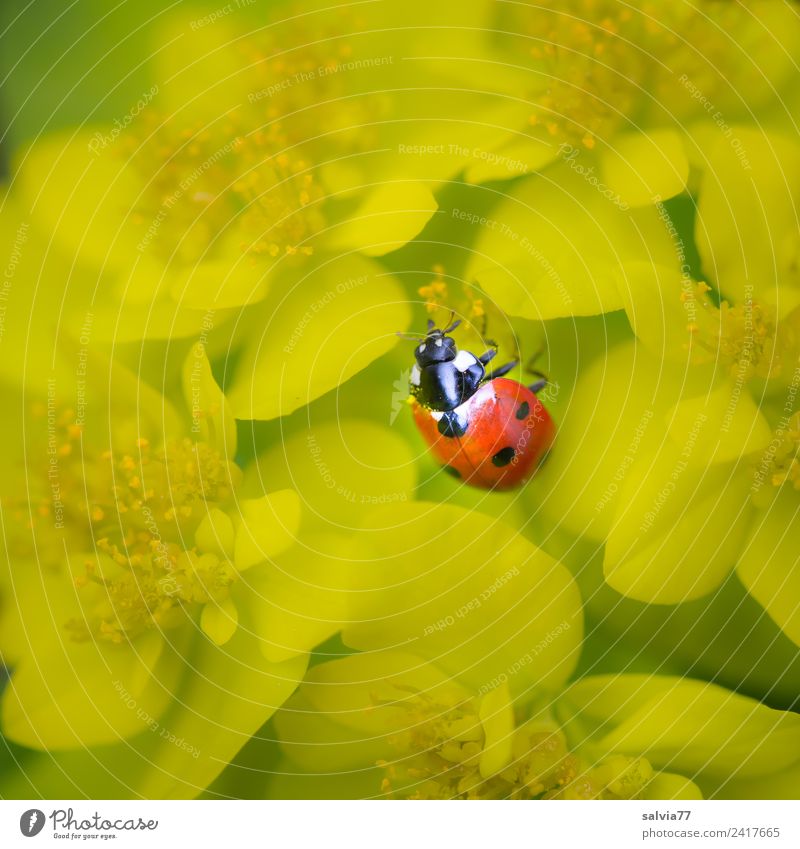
(438, 343)
(464, 360)
(415, 375)
(421, 348)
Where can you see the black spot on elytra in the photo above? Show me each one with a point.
(452, 472)
(524, 410)
(452, 424)
(503, 457)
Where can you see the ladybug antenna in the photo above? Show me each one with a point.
(431, 327)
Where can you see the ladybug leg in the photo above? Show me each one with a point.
(489, 355)
(499, 372)
(530, 365)
(543, 379)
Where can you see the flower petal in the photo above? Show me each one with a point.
(646, 167)
(266, 527)
(746, 228)
(497, 718)
(218, 285)
(346, 710)
(392, 214)
(770, 564)
(658, 314)
(285, 782)
(521, 155)
(125, 322)
(341, 468)
(212, 419)
(201, 72)
(725, 424)
(342, 315)
(300, 600)
(219, 621)
(678, 527)
(695, 728)
(44, 706)
(668, 785)
(216, 533)
(579, 484)
(439, 579)
(556, 245)
(67, 694)
(219, 702)
(226, 695)
(82, 197)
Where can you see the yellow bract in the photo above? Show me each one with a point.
(440, 579)
(560, 241)
(338, 317)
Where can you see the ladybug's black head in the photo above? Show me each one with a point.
(436, 347)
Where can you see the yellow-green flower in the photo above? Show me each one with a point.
(698, 419)
(265, 169)
(226, 550)
(458, 689)
(378, 89)
(231, 194)
(139, 603)
(390, 723)
(632, 90)
(400, 724)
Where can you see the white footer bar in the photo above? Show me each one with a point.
(396, 825)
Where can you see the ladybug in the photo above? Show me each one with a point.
(488, 430)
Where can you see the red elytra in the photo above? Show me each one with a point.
(508, 434)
